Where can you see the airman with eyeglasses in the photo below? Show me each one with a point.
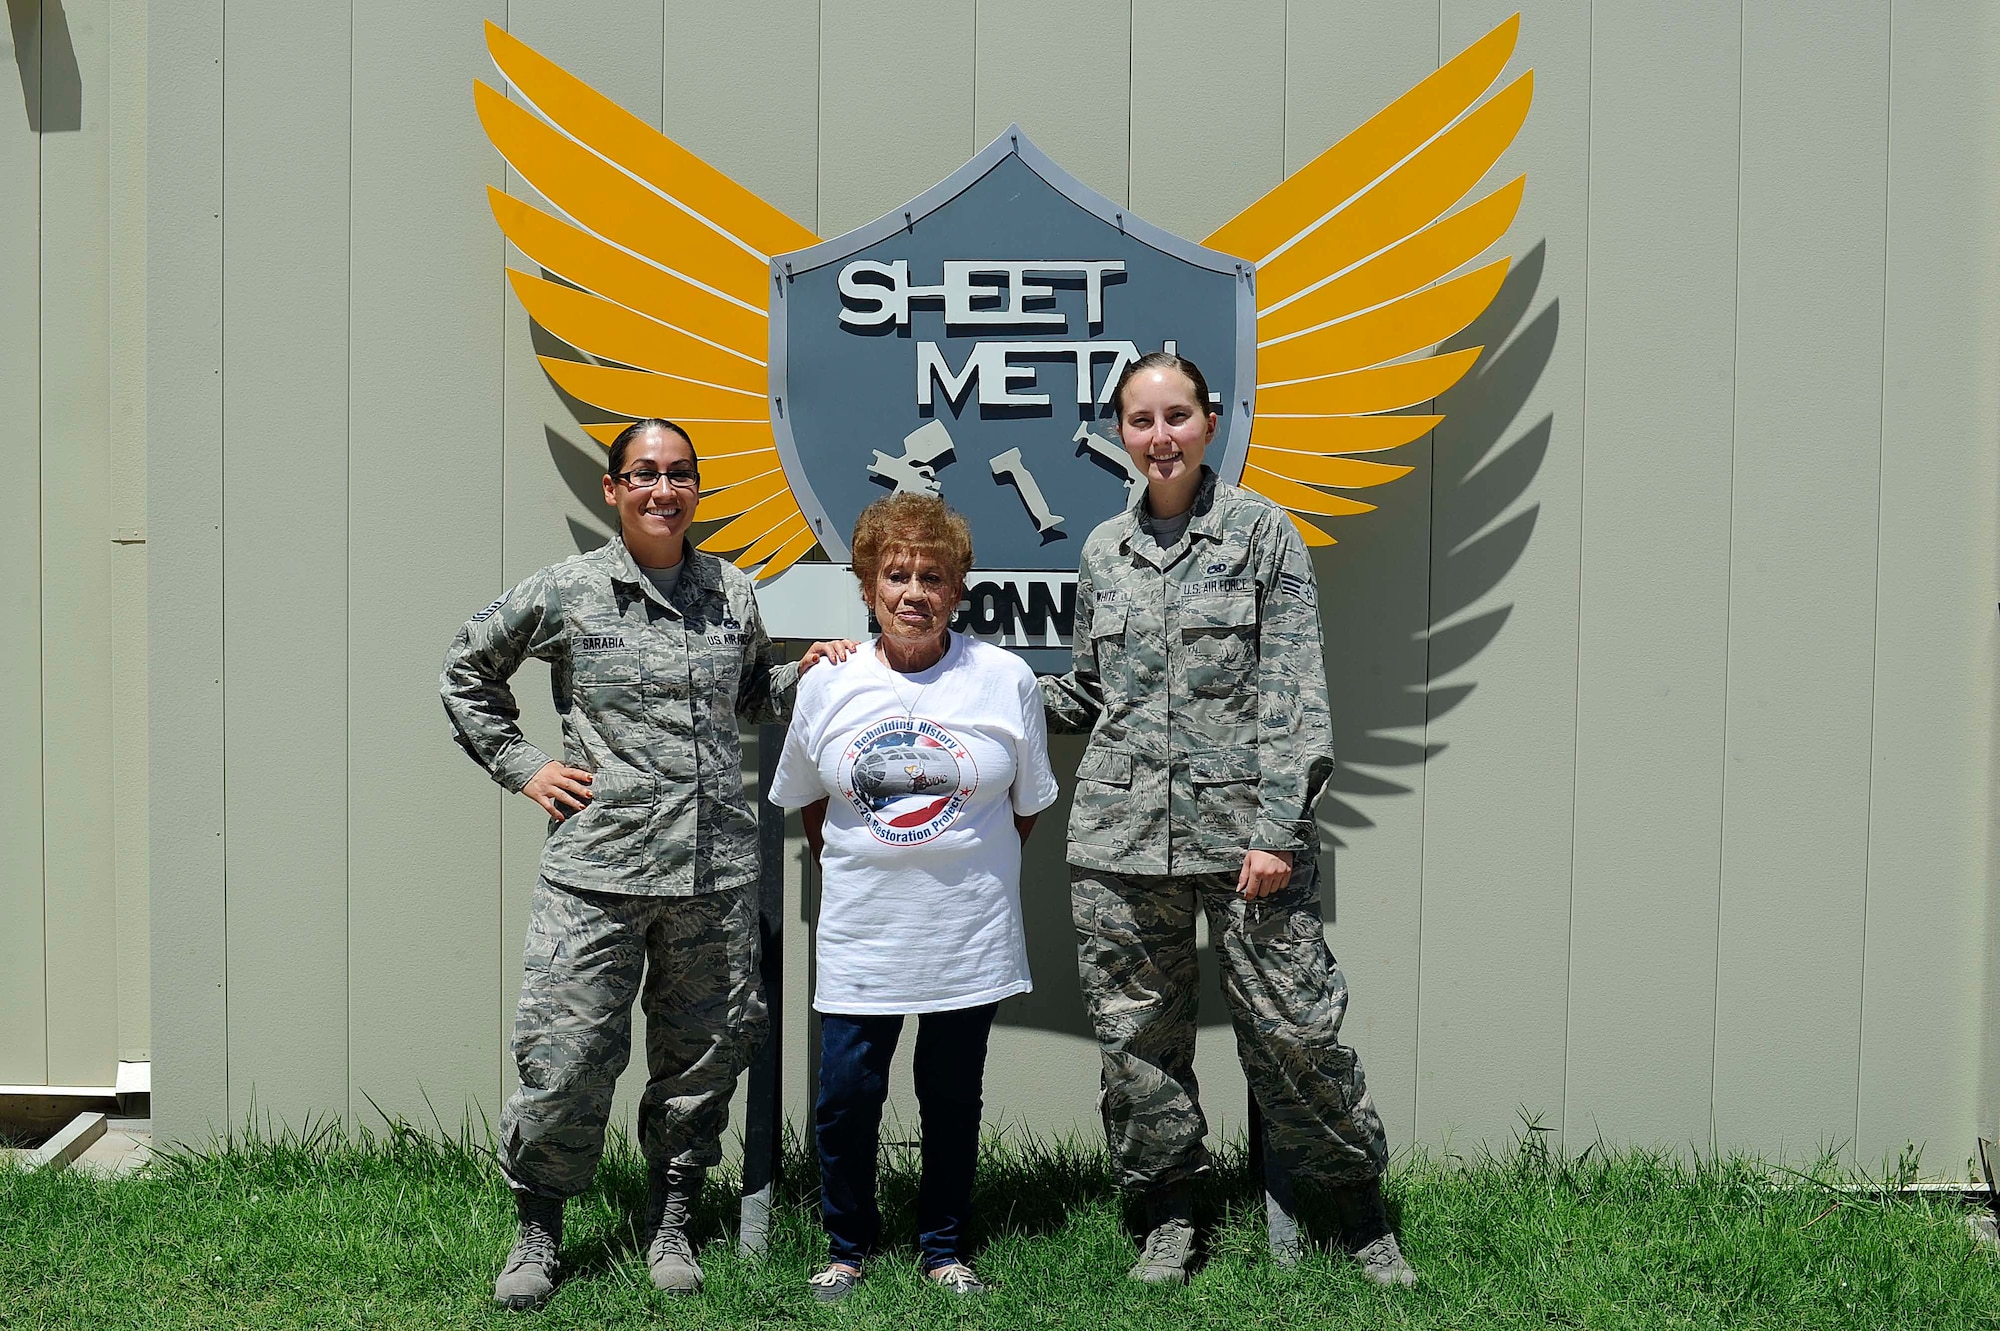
(649, 873)
(647, 477)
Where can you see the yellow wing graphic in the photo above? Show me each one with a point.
(665, 268)
(1356, 257)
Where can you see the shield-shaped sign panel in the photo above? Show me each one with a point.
(966, 344)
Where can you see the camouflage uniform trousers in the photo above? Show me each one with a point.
(1286, 997)
(705, 1016)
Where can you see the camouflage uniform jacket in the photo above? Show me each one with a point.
(1198, 673)
(649, 690)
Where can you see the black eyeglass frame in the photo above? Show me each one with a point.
(679, 480)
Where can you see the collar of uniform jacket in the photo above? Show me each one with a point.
(704, 571)
(1205, 522)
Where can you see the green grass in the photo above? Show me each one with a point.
(405, 1232)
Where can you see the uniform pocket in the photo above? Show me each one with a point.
(1108, 621)
(1107, 643)
(544, 934)
(1280, 968)
(613, 827)
(1109, 767)
(1219, 645)
(1226, 612)
(718, 651)
(604, 657)
(1225, 796)
(1225, 767)
(623, 785)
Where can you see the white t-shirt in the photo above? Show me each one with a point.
(920, 907)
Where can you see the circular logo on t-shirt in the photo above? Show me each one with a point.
(908, 779)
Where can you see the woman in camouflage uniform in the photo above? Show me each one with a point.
(648, 877)
(1198, 675)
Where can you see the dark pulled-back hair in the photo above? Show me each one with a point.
(1159, 360)
(909, 524)
(616, 462)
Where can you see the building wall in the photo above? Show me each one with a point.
(1664, 685)
(74, 988)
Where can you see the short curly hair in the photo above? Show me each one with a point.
(910, 524)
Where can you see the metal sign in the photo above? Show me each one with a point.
(964, 344)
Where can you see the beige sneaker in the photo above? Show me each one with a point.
(959, 1278)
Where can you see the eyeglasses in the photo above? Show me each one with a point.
(645, 478)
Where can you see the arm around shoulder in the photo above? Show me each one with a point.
(1073, 700)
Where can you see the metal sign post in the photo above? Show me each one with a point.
(764, 1119)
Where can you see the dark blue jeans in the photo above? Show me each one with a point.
(853, 1083)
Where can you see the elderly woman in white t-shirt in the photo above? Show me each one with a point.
(920, 765)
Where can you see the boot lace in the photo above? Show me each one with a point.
(1168, 1245)
(535, 1245)
(670, 1228)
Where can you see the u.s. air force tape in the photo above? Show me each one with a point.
(1291, 584)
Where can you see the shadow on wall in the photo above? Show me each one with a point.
(1386, 678)
(1389, 591)
(580, 463)
(51, 85)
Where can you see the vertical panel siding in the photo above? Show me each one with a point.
(23, 1003)
(1344, 63)
(1802, 574)
(895, 104)
(184, 459)
(550, 466)
(1654, 611)
(130, 978)
(80, 921)
(1061, 69)
(126, 363)
(1208, 110)
(1929, 800)
(285, 508)
(1497, 797)
(426, 312)
(741, 87)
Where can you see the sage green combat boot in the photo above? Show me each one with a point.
(671, 1194)
(529, 1276)
(1169, 1248)
(1365, 1234)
